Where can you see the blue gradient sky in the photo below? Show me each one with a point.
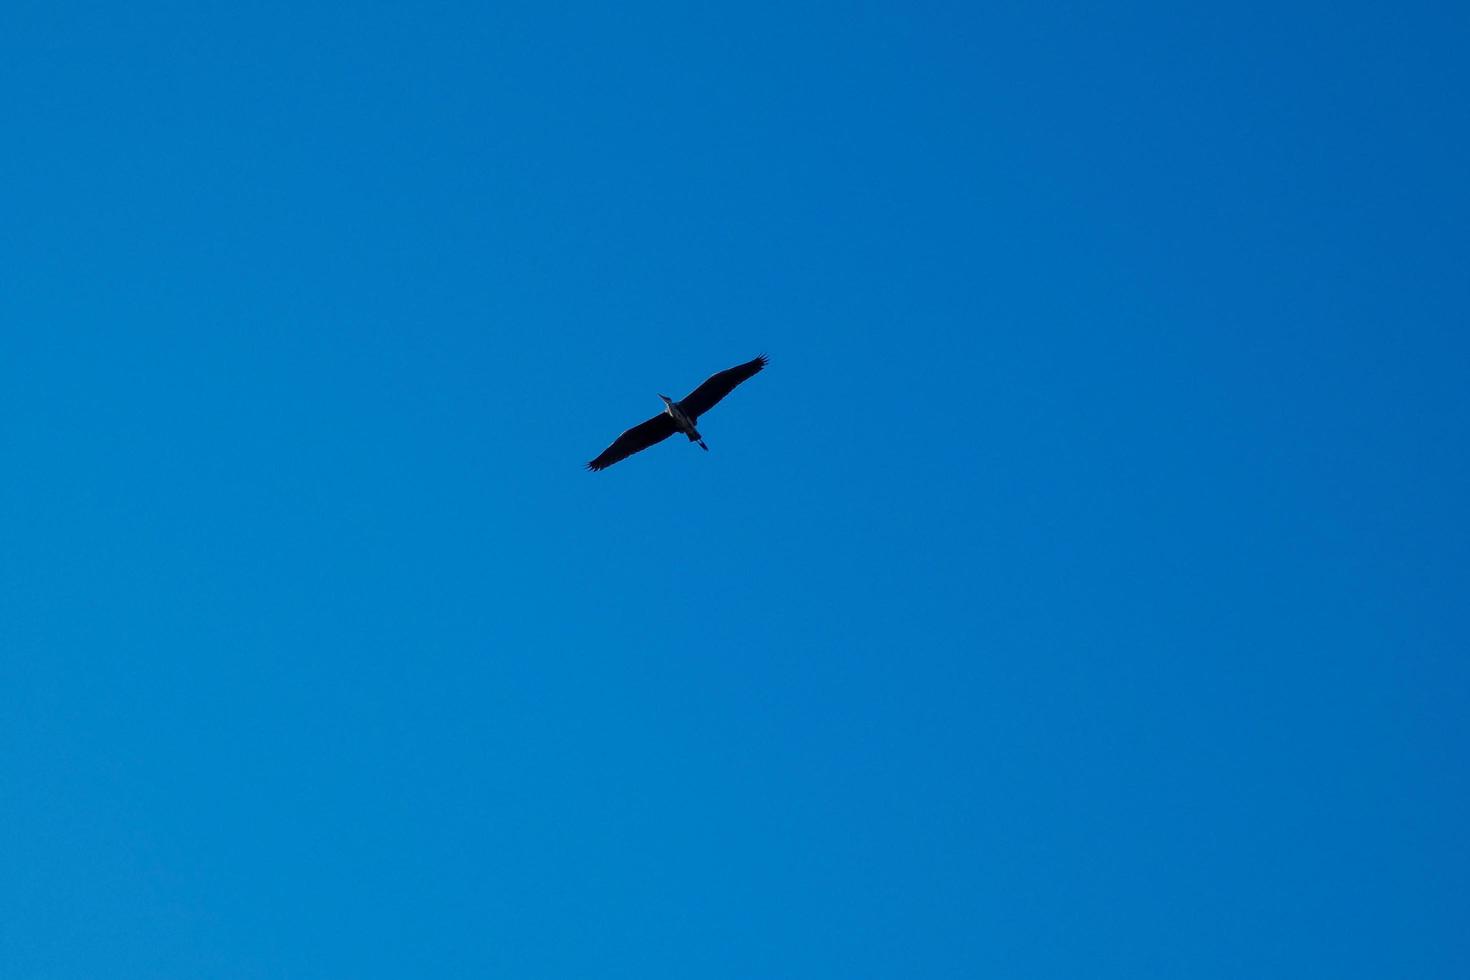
(1080, 593)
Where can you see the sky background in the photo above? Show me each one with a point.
(1081, 591)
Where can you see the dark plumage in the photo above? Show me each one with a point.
(680, 416)
(717, 386)
(636, 439)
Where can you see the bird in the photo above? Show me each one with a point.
(678, 416)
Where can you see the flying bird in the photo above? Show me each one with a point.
(680, 416)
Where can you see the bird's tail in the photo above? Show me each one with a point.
(703, 446)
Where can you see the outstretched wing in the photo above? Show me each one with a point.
(717, 386)
(636, 439)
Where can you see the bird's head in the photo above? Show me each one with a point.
(667, 399)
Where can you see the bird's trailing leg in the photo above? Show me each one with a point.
(703, 446)
(694, 436)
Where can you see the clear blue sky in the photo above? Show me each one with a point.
(1082, 591)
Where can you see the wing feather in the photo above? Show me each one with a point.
(717, 386)
(636, 439)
